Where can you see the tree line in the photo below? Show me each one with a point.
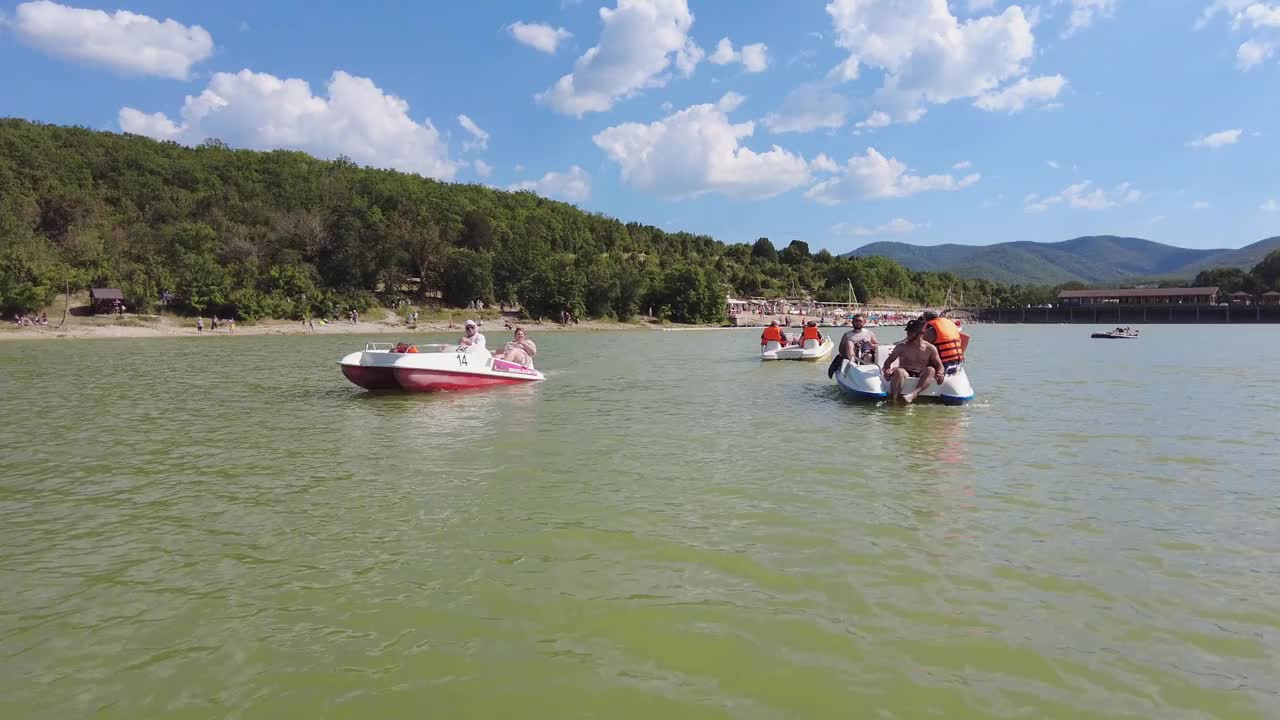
(282, 234)
(1263, 277)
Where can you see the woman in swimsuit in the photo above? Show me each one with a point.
(520, 350)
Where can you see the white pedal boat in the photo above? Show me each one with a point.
(431, 368)
(867, 382)
(810, 350)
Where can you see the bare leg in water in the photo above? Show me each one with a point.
(897, 376)
(926, 378)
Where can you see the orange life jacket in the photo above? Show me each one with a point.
(947, 340)
(810, 333)
(771, 334)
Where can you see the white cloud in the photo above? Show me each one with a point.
(825, 164)
(1218, 139)
(697, 151)
(1260, 15)
(153, 125)
(1270, 206)
(1084, 12)
(483, 169)
(928, 55)
(1052, 163)
(1085, 197)
(809, 107)
(875, 120)
(123, 41)
(261, 111)
(1252, 53)
(962, 165)
(1262, 18)
(872, 176)
(572, 186)
(637, 45)
(976, 5)
(1157, 219)
(244, 26)
(896, 226)
(724, 53)
(539, 36)
(1016, 96)
(754, 57)
(479, 138)
(1200, 205)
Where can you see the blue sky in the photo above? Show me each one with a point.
(839, 123)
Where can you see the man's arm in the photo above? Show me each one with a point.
(892, 356)
(872, 337)
(935, 362)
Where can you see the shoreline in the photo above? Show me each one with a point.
(80, 328)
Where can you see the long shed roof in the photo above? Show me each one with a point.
(1138, 292)
(106, 294)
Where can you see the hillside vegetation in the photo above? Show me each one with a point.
(1104, 259)
(282, 234)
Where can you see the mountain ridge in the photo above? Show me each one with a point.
(1090, 259)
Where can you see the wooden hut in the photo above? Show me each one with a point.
(105, 300)
(1271, 297)
(1241, 297)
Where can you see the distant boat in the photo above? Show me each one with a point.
(1116, 334)
(809, 350)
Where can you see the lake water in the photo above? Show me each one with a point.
(223, 527)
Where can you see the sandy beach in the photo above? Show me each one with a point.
(164, 326)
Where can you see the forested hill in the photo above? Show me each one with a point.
(283, 234)
(1096, 259)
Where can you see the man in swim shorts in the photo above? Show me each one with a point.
(916, 359)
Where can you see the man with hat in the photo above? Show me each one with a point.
(473, 339)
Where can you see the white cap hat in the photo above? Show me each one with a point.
(469, 322)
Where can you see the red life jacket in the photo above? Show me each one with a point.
(810, 333)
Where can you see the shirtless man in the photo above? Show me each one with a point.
(520, 350)
(916, 358)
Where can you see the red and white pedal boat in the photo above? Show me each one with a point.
(429, 368)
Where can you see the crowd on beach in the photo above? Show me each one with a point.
(23, 320)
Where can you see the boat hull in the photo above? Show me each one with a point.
(1110, 336)
(813, 351)
(371, 377)
(377, 368)
(867, 382)
(426, 380)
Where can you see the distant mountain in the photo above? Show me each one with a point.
(1095, 260)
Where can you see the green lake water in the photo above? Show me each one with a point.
(666, 528)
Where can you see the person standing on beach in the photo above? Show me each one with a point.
(231, 325)
(199, 324)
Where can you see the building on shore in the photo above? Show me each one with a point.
(1141, 296)
(1241, 297)
(1271, 297)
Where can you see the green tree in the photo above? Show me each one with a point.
(468, 277)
